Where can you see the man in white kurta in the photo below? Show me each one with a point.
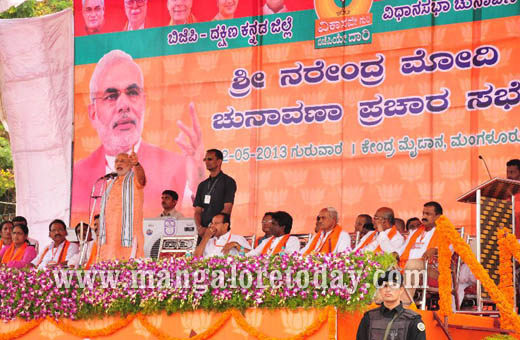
(60, 251)
(386, 237)
(331, 238)
(281, 240)
(217, 236)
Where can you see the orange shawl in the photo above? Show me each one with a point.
(63, 254)
(328, 245)
(12, 255)
(372, 236)
(92, 257)
(368, 240)
(406, 253)
(278, 247)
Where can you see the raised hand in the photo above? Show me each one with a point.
(133, 157)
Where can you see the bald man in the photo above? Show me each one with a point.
(386, 238)
(330, 237)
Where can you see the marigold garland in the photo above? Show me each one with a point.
(328, 314)
(24, 329)
(332, 323)
(505, 267)
(83, 333)
(313, 328)
(512, 244)
(451, 236)
(445, 282)
(202, 336)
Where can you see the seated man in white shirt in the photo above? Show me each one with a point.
(281, 240)
(330, 237)
(84, 232)
(217, 235)
(386, 238)
(421, 246)
(60, 251)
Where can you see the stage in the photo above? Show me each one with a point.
(324, 323)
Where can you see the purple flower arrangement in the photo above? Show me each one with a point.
(185, 284)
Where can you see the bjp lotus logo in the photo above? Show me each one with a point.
(411, 171)
(453, 169)
(276, 54)
(371, 173)
(253, 318)
(155, 320)
(207, 61)
(339, 8)
(295, 322)
(49, 331)
(352, 194)
(295, 177)
(197, 321)
(173, 64)
(390, 193)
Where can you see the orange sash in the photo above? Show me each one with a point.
(278, 247)
(368, 240)
(11, 255)
(406, 253)
(92, 256)
(328, 245)
(61, 258)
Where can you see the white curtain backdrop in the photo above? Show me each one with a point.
(36, 88)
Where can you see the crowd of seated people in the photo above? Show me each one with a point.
(412, 244)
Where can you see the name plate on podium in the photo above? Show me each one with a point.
(156, 228)
(177, 245)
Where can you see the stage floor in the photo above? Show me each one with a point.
(253, 324)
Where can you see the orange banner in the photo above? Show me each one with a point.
(355, 128)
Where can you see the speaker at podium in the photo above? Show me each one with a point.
(169, 230)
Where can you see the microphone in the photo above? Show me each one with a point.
(108, 176)
(485, 164)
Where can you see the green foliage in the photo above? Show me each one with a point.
(33, 8)
(499, 337)
(7, 192)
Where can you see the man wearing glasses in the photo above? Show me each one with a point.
(116, 111)
(214, 195)
(330, 237)
(135, 11)
(386, 238)
(217, 236)
(266, 227)
(281, 240)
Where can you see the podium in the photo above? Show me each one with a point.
(495, 200)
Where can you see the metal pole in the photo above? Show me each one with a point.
(478, 227)
(425, 286)
(513, 227)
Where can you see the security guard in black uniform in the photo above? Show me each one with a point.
(391, 321)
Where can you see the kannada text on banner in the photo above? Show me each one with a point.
(354, 127)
